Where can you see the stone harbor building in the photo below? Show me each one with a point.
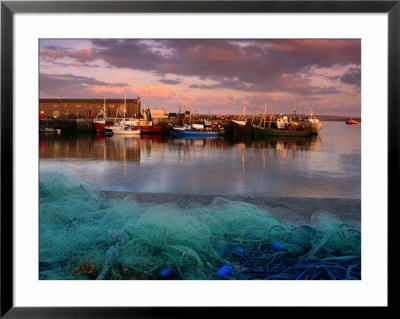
(158, 113)
(88, 108)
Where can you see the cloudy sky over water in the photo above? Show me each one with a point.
(213, 75)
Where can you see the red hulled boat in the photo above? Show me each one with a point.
(101, 122)
(147, 126)
(351, 121)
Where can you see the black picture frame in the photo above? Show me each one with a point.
(9, 8)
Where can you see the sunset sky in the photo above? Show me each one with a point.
(203, 75)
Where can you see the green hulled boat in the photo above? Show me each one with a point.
(288, 131)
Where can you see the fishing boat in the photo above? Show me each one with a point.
(311, 122)
(195, 133)
(281, 126)
(125, 126)
(101, 122)
(123, 129)
(242, 127)
(188, 130)
(147, 124)
(351, 121)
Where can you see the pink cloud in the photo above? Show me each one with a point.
(79, 55)
(76, 64)
(104, 90)
(155, 92)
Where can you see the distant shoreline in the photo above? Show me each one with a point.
(337, 118)
(331, 118)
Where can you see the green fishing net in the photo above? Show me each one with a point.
(85, 233)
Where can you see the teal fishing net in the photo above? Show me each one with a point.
(85, 233)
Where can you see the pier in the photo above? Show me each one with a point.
(73, 125)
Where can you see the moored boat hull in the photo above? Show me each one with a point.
(181, 132)
(265, 131)
(127, 130)
(239, 129)
(314, 127)
(99, 126)
(151, 129)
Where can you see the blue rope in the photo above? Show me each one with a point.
(111, 254)
(265, 262)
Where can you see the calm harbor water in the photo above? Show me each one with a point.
(327, 165)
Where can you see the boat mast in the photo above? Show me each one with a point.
(265, 112)
(104, 109)
(254, 114)
(244, 109)
(270, 120)
(125, 106)
(116, 115)
(294, 110)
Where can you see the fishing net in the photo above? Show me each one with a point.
(87, 234)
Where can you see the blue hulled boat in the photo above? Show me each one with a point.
(187, 130)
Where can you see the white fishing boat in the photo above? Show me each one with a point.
(123, 129)
(311, 122)
(125, 126)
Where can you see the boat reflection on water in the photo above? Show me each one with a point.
(306, 143)
(87, 146)
(276, 166)
(130, 147)
(283, 147)
(194, 141)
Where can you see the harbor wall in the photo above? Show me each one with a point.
(71, 125)
(68, 125)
